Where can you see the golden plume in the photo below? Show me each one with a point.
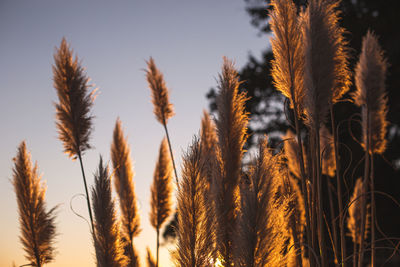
(208, 137)
(327, 152)
(108, 246)
(288, 64)
(355, 213)
(163, 109)
(231, 131)
(193, 244)
(370, 93)
(326, 74)
(123, 172)
(260, 235)
(291, 151)
(161, 192)
(74, 122)
(37, 225)
(151, 262)
(208, 143)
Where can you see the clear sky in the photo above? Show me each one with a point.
(187, 39)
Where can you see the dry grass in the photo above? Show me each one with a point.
(107, 243)
(38, 228)
(161, 192)
(123, 173)
(194, 247)
(231, 131)
(74, 121)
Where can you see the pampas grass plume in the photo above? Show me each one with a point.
(288, 64)
(163, 109)
(38, 229)
(355, 214)
(161, 192)
(260, 239)
(326, 74)
(291, 151)
(327, 152)
(74, 122)
(231, 131)
(370, 82)
(123, 173)
(108, 246)
(161, 189)
(193, 244)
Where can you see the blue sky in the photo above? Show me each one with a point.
(113, 39)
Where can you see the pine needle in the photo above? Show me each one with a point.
(107, 243)
(38, 230)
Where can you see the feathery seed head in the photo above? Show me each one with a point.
(326, 75)
(163, 109)
(370, 94)
(355, 211)
(288, 64)
(123, 172)
(231, 131)
(74, 122)
(195, 242)
(38, 230)
(327, 152)
(161, 189)
(260, 237)
(108, 246)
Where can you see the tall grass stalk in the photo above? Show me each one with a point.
(74, 123)
(161, 193)
(163, 109)
(287, 72)
(371, 96)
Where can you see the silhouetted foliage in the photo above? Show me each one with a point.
(269, 116)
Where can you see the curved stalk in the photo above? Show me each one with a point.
(86, 190)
